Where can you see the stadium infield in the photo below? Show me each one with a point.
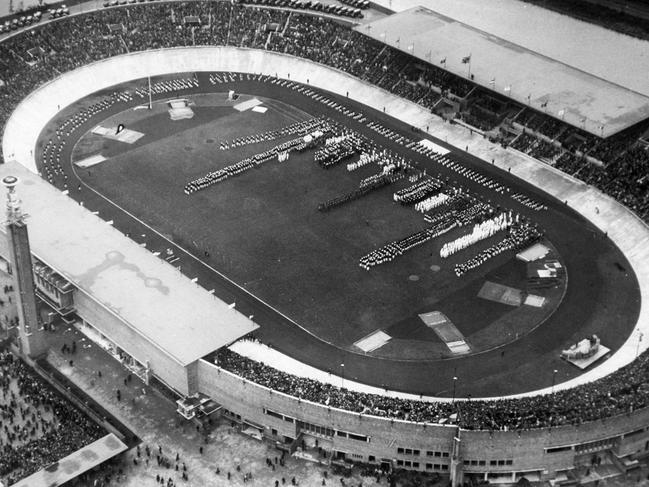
(262, 230)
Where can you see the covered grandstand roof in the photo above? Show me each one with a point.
(151, 296)
(594, 104)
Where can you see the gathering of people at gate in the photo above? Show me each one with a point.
(37, 425)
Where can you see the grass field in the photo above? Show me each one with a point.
(263, 231)
(262, 228)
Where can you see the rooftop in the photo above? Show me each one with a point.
(151, 296)
(583, 45)
(582, 99)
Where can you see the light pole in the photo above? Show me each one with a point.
(637, 348)
(454, 383)
(342, 381)
(554, 376)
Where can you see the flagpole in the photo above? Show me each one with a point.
(150, 103)
(467, 60)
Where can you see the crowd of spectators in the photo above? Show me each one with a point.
(535, 147)
(625, 179)
(477, 120)
(38, 426)
(78, 40)
(81, 39)
(620, 393)
(485, 111)
(623, 156)
(545, 150)
(414, 85)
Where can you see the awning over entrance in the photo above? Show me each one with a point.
(76, 463)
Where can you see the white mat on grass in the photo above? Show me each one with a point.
(90, 161)
(373, 341)
(247, 105)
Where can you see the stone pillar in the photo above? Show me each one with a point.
(31, 335)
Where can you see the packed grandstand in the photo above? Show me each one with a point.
(75, 41)
(616, 165)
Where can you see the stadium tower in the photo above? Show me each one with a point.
(31, 336)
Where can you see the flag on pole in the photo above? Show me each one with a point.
(466, 59)
(411, 46)
(544, 104)
(443, 61)
(492, 81)
(508, 88)
(561, 112)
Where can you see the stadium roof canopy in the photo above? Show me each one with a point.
(150, 295)
(581, 99)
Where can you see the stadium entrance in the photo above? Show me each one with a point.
(143, 371)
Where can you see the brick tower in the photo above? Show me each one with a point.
(31, 336)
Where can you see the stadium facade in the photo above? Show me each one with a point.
(68, 242)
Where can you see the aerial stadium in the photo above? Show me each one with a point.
(428, 259)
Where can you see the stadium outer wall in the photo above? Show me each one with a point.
(453, 451)
(543, 451)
